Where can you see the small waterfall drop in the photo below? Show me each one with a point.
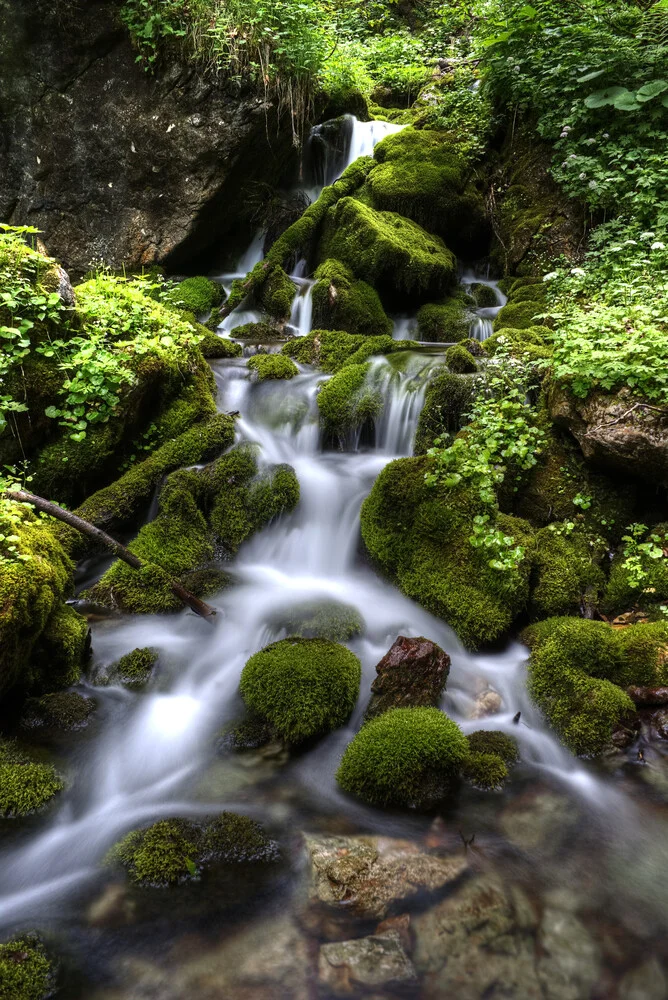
(482, 326)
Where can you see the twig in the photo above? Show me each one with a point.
(636, 406)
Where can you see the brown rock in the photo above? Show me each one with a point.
(412, 674)
(370, 962)
(648, 697)
(488, 702)
(401, 925)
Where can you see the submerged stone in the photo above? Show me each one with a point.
(60, 710)
(376, 962)
(324, 619)
(412, 674)
(134, 669)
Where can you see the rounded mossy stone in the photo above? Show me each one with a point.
(485, 296)
(259, 333)
(567, 573)
(486, 771)
(332, 350)
(134, 669)
(59, 710)
(304, 687)
(444, 322)
(340, 302)
(518, 316)
(459, 361)
(492, 741)
(325, 619)
(272, 366)
(196, 295)
(25, 786)
(277, 293)
(404, 757)
(233, 837)
(213, 346)
(447, 401)
(26, 972)
(399, 258)
(348, 400)
(530, 344)
(534, 293)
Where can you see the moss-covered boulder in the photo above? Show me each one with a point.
(348, 401)
(395, 255)
(26, 786)
(196, 295)
(578, 671)
(485, 295)
(532, 343)
(447, 401)
(213, 346)
(405, 757)
(320, 619)
(272, 366)
(278, 291)
(332, 350)
(177, 850)
(26, 973)
(304, 687)
(444, 322)
(492, 741)
(567, 575)
(62, 710)
(519, 315)
(134, 670)
(340, 302)
(459, 361)
(258, 333)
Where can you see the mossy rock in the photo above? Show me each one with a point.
(578, 669)
(567, 574)
(395, 255)
(63, 710)
(340, 302)
(25, 786)
(257, 333)
(485, 296)
(272, 366)
(134, 670)
(26, 973)
(492, 741)
(213, 346)
(444, 322)
(419, 177)
(348, 401)
(448, 399)
(486, 771)
(304, 687)
(332, 350)
(196, 295)
(405, 757)
(459, 361)
(533, 343)
(324, 619)
(518, 316)
(177, 850)
(278, 291)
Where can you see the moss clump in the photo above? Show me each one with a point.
(347, 401)
(567, 575)
(577, 671)
(342, 303)
(304, 687)
(196, 295)
(518, 316)
(395, 255)
(324, 619)
(404, 757)
(25, 970)
(486, 771)
(267, 366)
(258, 333)
(232, 837)
(491, 741)
(134, 669)
(447, 401)
(278, 291)
(213, 346)
(444, 322)
(485, 295)
(60, 710)
(25, 786)
(623, 592)
(332, 350)
(459, 361)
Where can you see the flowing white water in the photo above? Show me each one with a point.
(482, 326)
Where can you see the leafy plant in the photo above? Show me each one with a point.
(639, 555)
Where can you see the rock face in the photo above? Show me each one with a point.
(378, 961)
(412, 674)
(112, 162)
(616, 432)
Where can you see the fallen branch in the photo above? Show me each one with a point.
(86, 528)
(636, 406)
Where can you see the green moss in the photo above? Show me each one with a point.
(395, 255)
(268, 366)
(492, 741)
(304, 687)
(533, 292)
(347, 401)
(325, 619)
(196, 295)
(260, 333)
(232, 837)
(404, 757)
(484, 295)
(459, 361)
(447, 401)
(277, 294)
(622, 593)
(213, 346)
(518, 316)
(60, 710)
(567, 575)
(445, 322)
(332, 350)
(486, 771)
(25, 786)
(134, 669)
(530, 344)
(342, 303)
(25, 970)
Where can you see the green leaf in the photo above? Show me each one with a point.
(52, 412)
(603, 98)
(590, 76)
(651, 89)
(626, 102)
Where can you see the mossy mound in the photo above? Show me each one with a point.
(134, 670)
(578, 669)
(348, 401)
(325, 619)
(485, 295)
(405, 757)
(332, 350)
(444, 322)
(278, 291)
(567, 574)
(177, 850)
(340, 302)
(447, 401)
(418, 176)
(420, 536)
(486, 771)
(532, 343)
(63, 710)
(304, 687)
(25, 970)
(25, 786)
(492, 741)
(459, 361)
(394, 254)
(213, 346)
(259, 333)
(196, 295)
(268, 366)
(518, 315)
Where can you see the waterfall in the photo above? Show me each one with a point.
(482, 325)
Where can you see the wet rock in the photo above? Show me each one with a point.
(540, 820)
(113, 908)
(646, 982)
(570, 963)
(345, 967)
(659, 723)
(488, 702)
(364, 876)
(477, 942)
(63, 710)
(412, 674)
(401, 925)
(648, 697)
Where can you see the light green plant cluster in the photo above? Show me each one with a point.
(25, 970)
(25, 786)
